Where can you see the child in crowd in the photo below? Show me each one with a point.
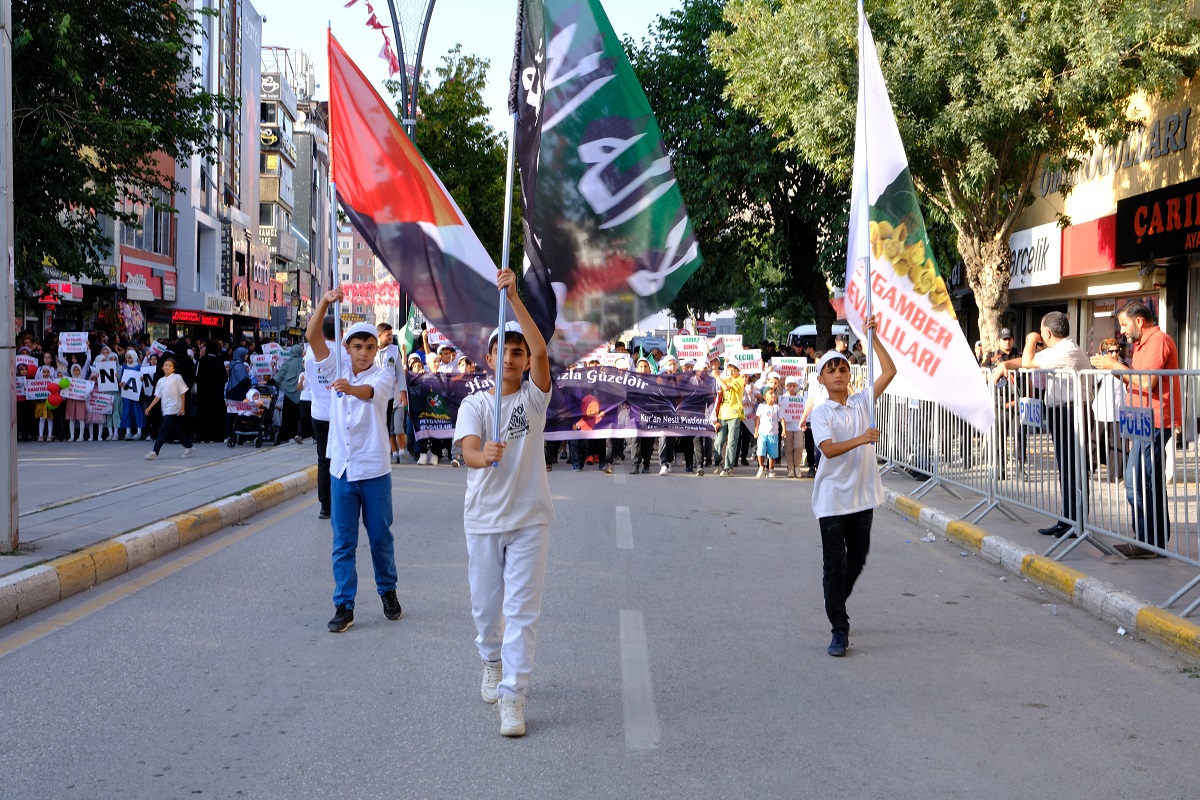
(813, 398)
(172, 391)
(391, 361)
(320, 419)
(42, 412)
(133, 418)
(767, 425)
(642, 446)
(730, 414)
(507, 510)
(793, 437)
(848, 487)
(360, 469)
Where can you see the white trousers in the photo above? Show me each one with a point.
(506, 571)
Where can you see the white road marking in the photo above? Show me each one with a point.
(624, 529)
(641, 719)
(620, 475)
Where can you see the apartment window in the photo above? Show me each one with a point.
(267, 113)
(266, 214)
(151, 231)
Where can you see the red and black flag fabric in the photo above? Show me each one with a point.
(607, 237)
(405, 213)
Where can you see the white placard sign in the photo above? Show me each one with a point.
(790, 365)
(37, 390)
(748, 361)
(148, 379)
(131, 384)
(100, 404)
(719, 345)
(791, 407)
(691, 347)
(106, 376)
(79, 389)
(73, 342)
(20, 388)
(30, 363)
(261, 366)
(272, 348)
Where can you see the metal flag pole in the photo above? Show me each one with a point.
(507, 239)
(337, 275)
(862, 111)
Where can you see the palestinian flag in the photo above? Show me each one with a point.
(607, 237)
(401, 208)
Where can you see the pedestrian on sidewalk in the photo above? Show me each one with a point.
(360, 471)
(172, 391)
(507, 511)
(847, 487)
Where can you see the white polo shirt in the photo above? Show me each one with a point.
(317, 385)
(358, 439)
(848, 483)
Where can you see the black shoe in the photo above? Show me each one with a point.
(1057, 529)
(343, 618)
(391, 606)
(837, 647)
(323, 515)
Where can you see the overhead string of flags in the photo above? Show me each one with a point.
(890, 266)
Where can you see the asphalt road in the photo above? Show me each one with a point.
(682, 654)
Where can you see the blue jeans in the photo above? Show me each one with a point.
(1146, 490)
(372, 498)
(725, 449)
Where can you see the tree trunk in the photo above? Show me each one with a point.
(807, 279)
(989, 270)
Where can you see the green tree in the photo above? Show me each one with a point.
(100, 88)
(982, 91)
(466, 152)
(763, 216)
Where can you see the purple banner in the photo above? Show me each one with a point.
(587, 403)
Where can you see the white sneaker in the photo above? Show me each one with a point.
(512, 715)
(423, 459)
(761, 472)
(188, 452)
(493, 671)
(665, 469)
(771, 474)
(432, 460)
(454, 462)
(699, 472)
(152, 456)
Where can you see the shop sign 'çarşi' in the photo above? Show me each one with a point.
(1159, 225)
(1037, 256)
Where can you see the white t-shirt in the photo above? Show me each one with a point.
(358, 439)
(768, 419)
(318, 386)
(515, 494)
(850, 482)
(170, 391)
(388, 359)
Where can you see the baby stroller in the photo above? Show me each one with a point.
(260, 427)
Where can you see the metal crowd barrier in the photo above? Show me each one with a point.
(1078, 447)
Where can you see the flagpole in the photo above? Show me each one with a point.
(862, 24)
(507, 239)
(337, 279)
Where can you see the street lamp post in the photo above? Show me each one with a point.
(417, 15)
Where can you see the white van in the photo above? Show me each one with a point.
(806, 335)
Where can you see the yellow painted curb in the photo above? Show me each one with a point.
(267, 495)
(909, 508)
(188, 528)
(966, 533)
(1051, 574)
(110, 559)
(208, 519)
(76, 572)
(1173, 631)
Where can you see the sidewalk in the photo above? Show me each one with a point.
(1122, 591)
(72, 496)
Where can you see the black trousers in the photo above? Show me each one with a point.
(1062, 429)
(171, 425)
(845, 541)
(321, 437)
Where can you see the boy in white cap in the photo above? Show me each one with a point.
(507, 511)
(848, 487)
(360, 468)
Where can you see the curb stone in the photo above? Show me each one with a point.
(1094, 596)
(30, 590)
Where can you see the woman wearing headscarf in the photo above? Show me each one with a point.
(210, 393)
(236, 386)
(288, 379)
